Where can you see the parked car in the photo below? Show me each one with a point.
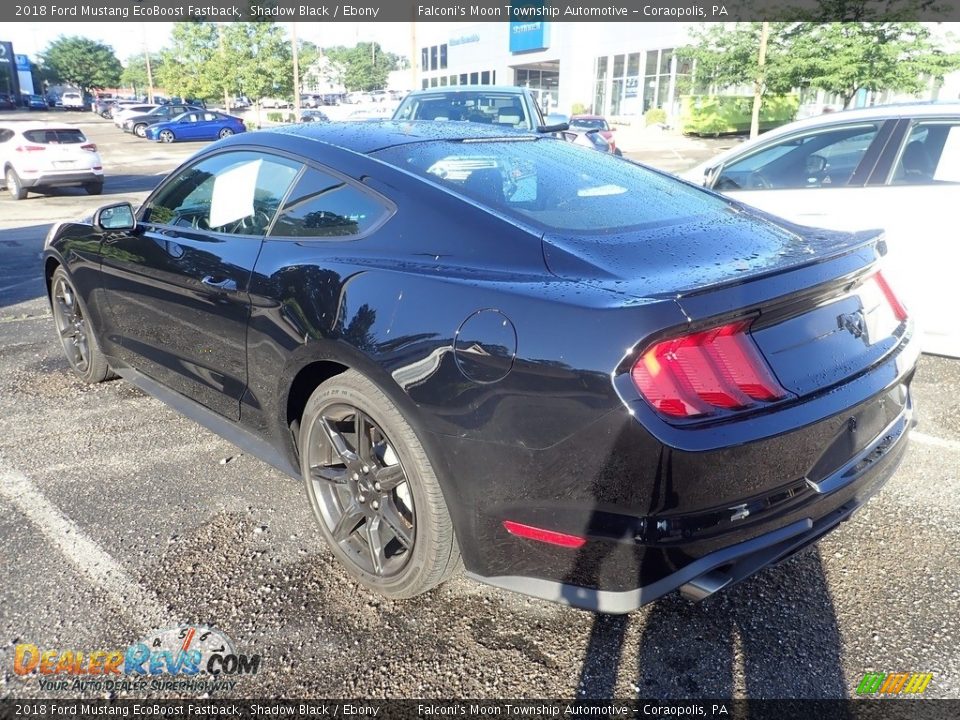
(583, 123)
(313, 116)
(591, 139)
(590, 381)
(200, 125)
(6, 102)
(310, 101)
(35, 102)
(71, 101)
(44, 155)
(512, 107)
(271, 102)
(120, 114)
(241, 102)
(138, 124)
(895, 167)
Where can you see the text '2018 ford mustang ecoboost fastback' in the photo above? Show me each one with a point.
(586, 380)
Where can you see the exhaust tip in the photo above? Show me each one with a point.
(703, 586)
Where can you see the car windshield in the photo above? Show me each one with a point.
(55, 136)
(487, 107)
(589, 124)
(555, 184)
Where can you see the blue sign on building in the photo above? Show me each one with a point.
(527, 33)
(23, 62)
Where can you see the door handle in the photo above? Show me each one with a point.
(225, 284)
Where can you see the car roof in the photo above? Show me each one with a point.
(371, 135)
(511, 89)
(586, 117)
(26, 125)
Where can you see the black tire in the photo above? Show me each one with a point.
(618, 152)
(166, 136)
(14, 185)
(225, 133)
(93, 188)
(75, 332)
(355, 506)
(140, 130)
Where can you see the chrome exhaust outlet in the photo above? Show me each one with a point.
(703, 586)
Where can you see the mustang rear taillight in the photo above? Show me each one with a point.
(898, 309)
(706, 371)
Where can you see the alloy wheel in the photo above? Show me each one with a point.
(140, 130)
(71, 325)
(226, 132)
(361, 491)
(166, 136)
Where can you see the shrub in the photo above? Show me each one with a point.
(655, 116)
(722, 114)
(578, 109)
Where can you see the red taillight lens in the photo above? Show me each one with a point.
(699, 373)
(30, 148)
(548, 536)
(92, 147)
(898, 309)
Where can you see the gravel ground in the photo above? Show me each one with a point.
(118, 517)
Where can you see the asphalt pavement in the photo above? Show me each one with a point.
(119, 517)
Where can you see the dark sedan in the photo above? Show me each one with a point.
(202, 125)
(138, 124)
(583, 379)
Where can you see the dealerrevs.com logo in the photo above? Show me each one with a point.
(904, 683)
(183, 658)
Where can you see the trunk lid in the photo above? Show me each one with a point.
(820, 314)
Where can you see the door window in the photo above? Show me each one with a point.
(827, 158)
(930, 156)
(236, 193)
(323, 206)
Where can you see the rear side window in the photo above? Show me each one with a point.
(930, 156)
(5, 135)
(555, 184)
(63, 136)
(323, 206)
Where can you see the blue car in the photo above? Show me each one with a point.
(35, 102)
(201, 125)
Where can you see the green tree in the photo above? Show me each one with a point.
(88, 64)
(844, 58)
(362, 67)
(188, 67)
(134, 73)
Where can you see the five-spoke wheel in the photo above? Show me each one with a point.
(76, 336)
(373, 490)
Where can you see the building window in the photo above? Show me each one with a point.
(493, 78)
(485, 77)
(474, 78)
(425, 59)
(443, 57)
(433, 82)
(453, 79)
(433, 57)
(443, 81)
(425, 84)
(463, 79)
(600, 86)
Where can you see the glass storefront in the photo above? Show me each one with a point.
(543, 79)
(637, 82)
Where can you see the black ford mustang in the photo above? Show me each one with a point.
(583, 379)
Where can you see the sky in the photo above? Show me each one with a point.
(128, 38)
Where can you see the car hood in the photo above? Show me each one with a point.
(689, 254)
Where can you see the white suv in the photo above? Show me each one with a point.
(34, 155)
(72, 101)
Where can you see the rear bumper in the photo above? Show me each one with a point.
(842, 494)
(61, 179)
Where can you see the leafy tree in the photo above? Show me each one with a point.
(135, 71)
(263, 59)
(363, 67)
(188, 68)
(88, 64)
(844, 58)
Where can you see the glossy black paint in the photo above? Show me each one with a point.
(509, 352)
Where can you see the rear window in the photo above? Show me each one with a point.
(488, 108)
(555, 184)
(589, 124)
(62, 136)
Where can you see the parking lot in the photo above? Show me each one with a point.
(118, 517)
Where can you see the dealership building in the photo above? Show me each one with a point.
(609, 68)
(619, 70)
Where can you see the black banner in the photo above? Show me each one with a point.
(891, 709)
(477, 10)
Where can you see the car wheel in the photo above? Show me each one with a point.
(225, 133)
(140, 130)
(76, 335)
(618, 152)
(93, 188)
(166, 136)
(14, 186)
(373, 490)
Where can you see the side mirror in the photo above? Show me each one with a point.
(816, 164)
(710, 175)
(115, 217)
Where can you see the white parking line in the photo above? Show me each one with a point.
(87, 556)
(934, 441)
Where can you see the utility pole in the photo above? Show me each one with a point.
(414, 55)
(146, 57)
(223, 57)
(296, 72)
(759, 81)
